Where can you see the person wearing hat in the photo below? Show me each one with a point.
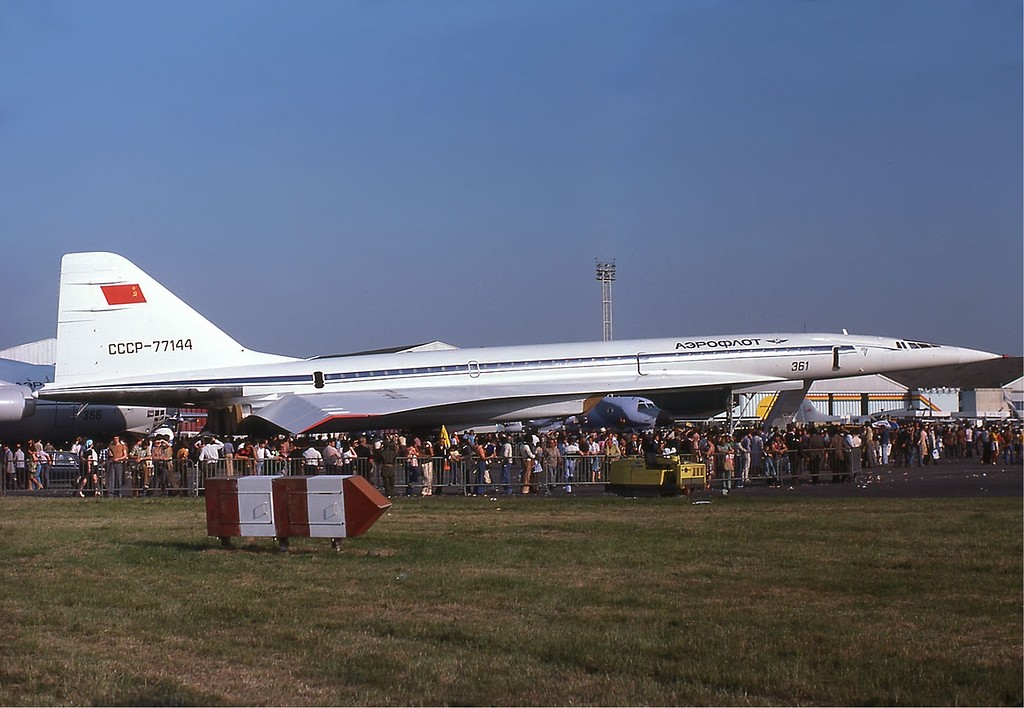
(89, 473)
(162, 455)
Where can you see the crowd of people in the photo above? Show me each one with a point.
(506, 463)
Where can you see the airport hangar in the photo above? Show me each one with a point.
(989, 390)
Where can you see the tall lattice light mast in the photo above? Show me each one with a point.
(606, 274)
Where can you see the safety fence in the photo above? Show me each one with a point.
(437, 475)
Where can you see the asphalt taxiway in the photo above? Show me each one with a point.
(946, 478)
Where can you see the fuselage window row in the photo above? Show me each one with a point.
(545, 364)
(475, 368)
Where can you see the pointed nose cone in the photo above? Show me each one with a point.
(916, 356)
(960, 355)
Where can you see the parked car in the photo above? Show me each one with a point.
(64, 470)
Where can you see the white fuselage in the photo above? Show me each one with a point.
(533, 380)
(124, 338)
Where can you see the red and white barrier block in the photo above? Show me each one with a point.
(325, 506)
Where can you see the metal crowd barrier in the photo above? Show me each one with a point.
(460, 475)
(447, 475)
(498, 476)
(736, 469)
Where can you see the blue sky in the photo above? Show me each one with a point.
(322, 177)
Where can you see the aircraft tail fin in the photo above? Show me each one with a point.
(114, 322)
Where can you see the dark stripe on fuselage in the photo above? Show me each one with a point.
(473, 367)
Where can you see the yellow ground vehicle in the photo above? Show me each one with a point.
(630, 476)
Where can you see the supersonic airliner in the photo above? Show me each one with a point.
(122, 338)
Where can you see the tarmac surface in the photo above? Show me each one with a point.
(946, 478)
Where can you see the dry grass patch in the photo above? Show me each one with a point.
(554, 601)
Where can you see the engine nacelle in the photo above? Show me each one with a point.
(16, 402)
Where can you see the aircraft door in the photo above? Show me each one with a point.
(474, 369)
(648, 363)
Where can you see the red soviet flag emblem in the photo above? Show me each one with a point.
(123, 294)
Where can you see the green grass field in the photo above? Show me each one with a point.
(521, 601)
